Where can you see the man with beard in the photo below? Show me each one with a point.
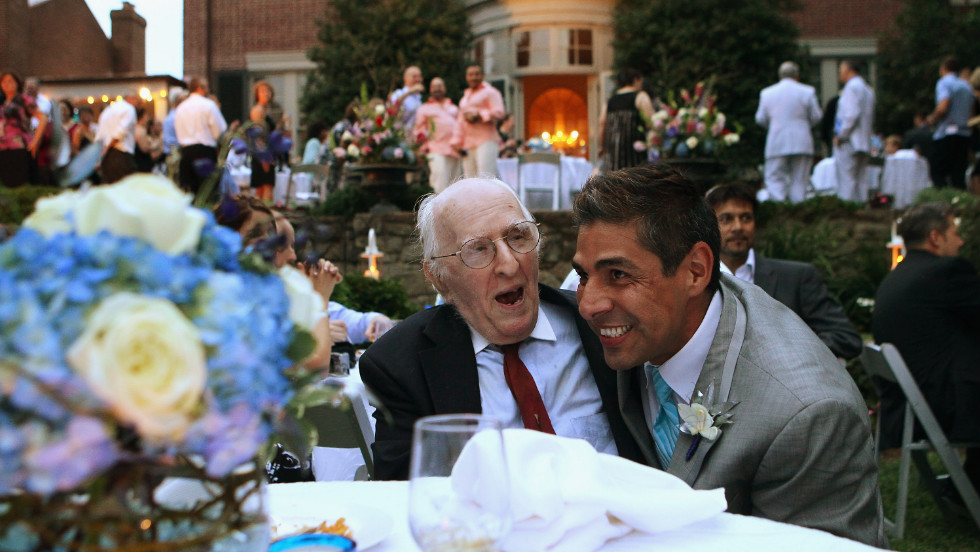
(794, 284)
(436, 120)
(502, 345)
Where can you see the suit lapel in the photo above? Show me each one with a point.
(629, 384)
(449, 366)
(765, 276)
(713, 369)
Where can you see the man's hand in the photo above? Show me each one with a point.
(338, 331)
(380, 322)
(472, 116)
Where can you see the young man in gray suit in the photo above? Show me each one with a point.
(794, 284)
(788, 110)
(798, 448)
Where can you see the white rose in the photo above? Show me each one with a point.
(50, 214)
(379, 109)
(305, 304)
(703, 112)
(143, 206)
(352, 151)
(731, 139)
(145, 359)
(691, 142)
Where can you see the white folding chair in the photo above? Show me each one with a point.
(886, 362)
(345, 426)
(526, 183)
(317, 175)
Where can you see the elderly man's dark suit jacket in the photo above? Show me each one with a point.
(426, 366)
(799, 287)
(929, 308)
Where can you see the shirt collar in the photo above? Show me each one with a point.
(749, 262)
(682, 370)
(542, 330)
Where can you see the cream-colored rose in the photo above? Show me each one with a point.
(352, 151)
(305, 304)
(50, 214)
(692, 142)
(145, 359)
(731, 139)
(144, 206)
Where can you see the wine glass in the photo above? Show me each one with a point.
(462, 506)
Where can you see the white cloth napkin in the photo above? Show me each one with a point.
(566, 496)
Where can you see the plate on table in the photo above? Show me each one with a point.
(368, 525)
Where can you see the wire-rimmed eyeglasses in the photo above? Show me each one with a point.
(480, 252)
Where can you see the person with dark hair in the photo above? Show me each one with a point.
(475, 136)
(117, 133)
(316, 136)
(435, 124)
(622, 123)
(198, 123)
(852, 133)
(794, 284)
(788, 110)
(951, 138)
(685, 339)
(928, 307)
(17, 142)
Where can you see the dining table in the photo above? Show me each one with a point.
(904, 175)
(377, 514)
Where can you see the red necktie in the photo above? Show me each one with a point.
(525, 391)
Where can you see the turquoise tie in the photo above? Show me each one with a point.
(665, 428)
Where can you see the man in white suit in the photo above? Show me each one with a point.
(788, 109)
(852, 133)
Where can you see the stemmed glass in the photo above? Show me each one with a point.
(471, 510)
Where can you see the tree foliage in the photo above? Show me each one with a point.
(909, 58)
(373, 42)
(737, 43)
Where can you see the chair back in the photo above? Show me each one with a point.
(317, 174)
(344, 426)
(524, 185)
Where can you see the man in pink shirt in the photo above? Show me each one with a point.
(436, 120)
(476, 132)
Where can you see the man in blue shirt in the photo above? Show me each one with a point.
(951, 138)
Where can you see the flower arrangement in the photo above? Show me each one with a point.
(137, 341)
(378, 136)
(691, 127)
(704, 419)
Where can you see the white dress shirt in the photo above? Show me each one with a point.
(556, 360)
(198, 121)
(118, 122)
(681, 371)
(746, 272)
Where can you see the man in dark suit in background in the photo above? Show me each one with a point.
(794, 284)
(929, 308)
(502, 345)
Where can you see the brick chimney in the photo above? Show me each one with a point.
(128, 41)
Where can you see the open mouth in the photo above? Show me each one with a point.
(614, 332)
(511, 298)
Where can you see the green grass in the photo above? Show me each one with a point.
(925, 526)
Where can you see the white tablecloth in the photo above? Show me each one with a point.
(726, 532)
(824, 178)
(904, 176)
(574, 172)
(243, 176)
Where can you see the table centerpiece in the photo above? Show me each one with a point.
(138, 344)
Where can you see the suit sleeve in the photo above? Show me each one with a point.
(814, 109)
(820, 472)
(848, 111)
(394, 416)
(826, 317)
(761, 118)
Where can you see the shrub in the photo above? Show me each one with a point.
(367, 294)
(17, 203)
(351, 200)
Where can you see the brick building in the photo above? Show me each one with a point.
(552, 59)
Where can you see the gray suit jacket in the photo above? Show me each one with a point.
(799, 449)
(799, 287)
(789, 110)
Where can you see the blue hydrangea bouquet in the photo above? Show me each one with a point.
(139, 343)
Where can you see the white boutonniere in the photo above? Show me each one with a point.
(703, 419)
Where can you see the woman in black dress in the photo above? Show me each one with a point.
(622, 124)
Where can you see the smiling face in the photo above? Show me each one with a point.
(638, 313)
(500, 301)
(412, 76)
(474, 76)
(736, 221)
(9, 85)
(437, 88)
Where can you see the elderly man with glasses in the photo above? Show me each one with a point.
(502, 345)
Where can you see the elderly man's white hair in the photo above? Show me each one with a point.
(788, 69)
(426, 220)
